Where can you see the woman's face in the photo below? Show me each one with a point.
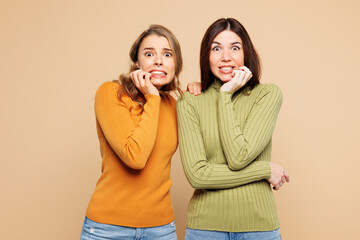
(156, 57)
(226, 54)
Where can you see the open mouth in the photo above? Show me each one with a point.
(158, 73)
(226, 69)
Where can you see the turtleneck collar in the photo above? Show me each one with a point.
(216, 84)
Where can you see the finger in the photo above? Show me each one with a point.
(245, 68)
(247, 77)
(198, 91)
(135, 72)
(287, 176)
(276, 184)
(236, 76)
(141, 78)
(247, 71)
(140, 75)
(283, 180)
(233, 73)
(147, 77)
(134, 78)
(242, 77)
(190, 87)
(146, 82)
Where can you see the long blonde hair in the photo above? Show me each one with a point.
(125, 80)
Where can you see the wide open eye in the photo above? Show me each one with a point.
(235, 48)
(149, 54)
(167, 54)
(216, 49)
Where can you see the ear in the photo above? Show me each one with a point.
(137, 64)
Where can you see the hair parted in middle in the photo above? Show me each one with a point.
(125, 80)
(251, 58)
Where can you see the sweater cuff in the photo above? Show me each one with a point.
(152, 104)
(265, 166)
(225, 97)
(150, 98)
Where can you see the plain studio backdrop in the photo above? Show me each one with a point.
(55, 54)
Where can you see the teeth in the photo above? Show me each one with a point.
(158, 73)
(226, 68)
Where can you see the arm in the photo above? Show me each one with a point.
(132, 142)
(200, 173)
(242, 146)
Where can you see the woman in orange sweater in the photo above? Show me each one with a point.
(137, 130)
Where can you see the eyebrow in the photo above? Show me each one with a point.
(166, 49)
(234, 43)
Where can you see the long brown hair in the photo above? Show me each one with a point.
(125, 80)
(251, 58)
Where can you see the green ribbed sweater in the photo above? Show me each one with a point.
(225, 147)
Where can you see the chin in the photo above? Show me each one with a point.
(159, 83)
(225, 80)
(223, 77)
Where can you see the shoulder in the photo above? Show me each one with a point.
(109, 92)
(268, 91)
(108, 88)
(265, 88)
(168, 99)
(186, 103)
(171, 98)
(186, 99)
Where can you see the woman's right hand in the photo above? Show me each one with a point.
(239, 78)
(141, 80)
(278, 176)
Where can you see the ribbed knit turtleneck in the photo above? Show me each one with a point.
(225, 147)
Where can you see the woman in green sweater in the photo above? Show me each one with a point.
(225, 141)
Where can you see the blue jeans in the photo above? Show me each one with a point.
(100, 231)
(195, 234)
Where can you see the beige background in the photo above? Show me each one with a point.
(54, 55)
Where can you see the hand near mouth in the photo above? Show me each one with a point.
(238, 79)
(141, 80)
(158, 73)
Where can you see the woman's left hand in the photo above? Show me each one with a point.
(239, 79)
(194, 88)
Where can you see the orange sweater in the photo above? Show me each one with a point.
(136, 149)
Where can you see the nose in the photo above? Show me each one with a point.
(225, 56)
(158, 60)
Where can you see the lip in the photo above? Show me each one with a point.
(226, 69)
(157, 73)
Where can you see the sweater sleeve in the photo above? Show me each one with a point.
(132, 142)
(242, 146)
(200, 173)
